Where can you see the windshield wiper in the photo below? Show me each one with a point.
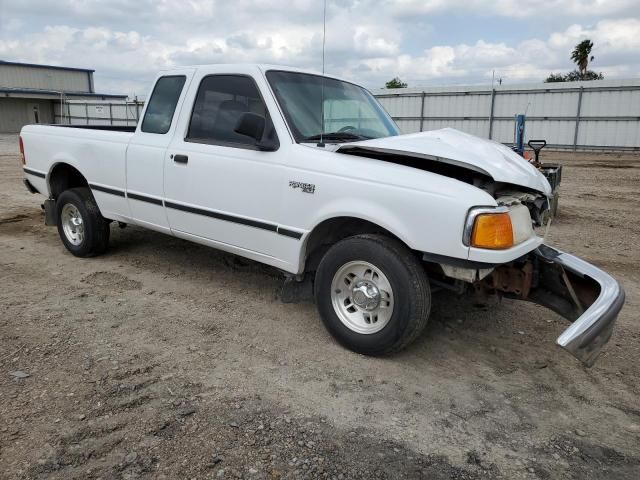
(336, 136)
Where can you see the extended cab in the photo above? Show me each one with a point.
(309, 174)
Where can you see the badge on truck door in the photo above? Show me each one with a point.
(305, 187)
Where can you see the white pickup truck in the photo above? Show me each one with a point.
(309, 174)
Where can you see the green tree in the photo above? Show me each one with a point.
(581, 55)
(396, 83)
(555, 77)
(574, 76)
(577, 76)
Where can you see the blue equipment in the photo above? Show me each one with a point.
(518, 134)
(552, 171)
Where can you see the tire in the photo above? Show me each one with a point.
(401, 313)
(82, 229)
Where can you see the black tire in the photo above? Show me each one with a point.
(411, 291)
(96, 228)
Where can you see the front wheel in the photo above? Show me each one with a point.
(82, 229)
(372, 294)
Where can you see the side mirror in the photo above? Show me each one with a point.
(254, 125)
(251, 125)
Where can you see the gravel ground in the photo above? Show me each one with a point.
(165, 359)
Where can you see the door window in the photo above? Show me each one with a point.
(220, 102)
(162, 104)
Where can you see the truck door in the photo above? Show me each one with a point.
(218, 185)
(145, 154)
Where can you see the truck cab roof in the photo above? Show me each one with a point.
(247, 67)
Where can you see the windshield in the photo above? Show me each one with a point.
(350, 112)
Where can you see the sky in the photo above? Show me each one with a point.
(424, 42)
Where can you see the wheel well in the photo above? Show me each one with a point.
(63, 177)
(333, 230)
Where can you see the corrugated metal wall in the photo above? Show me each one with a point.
(16, 112)
(582, 115)
(20, 76)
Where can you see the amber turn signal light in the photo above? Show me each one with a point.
(493, 231)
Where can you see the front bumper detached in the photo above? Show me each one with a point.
(582, 293)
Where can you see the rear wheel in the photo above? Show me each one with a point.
(82, 229)
(372, 294)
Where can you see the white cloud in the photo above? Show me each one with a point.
(127, 42)
(608, 35)
(518, 8)
(617, 52)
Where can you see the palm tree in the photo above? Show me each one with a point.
(580, 55)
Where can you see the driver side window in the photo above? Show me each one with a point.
(219, 104)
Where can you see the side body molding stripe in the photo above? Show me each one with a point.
(35, 173)
(289, 233)
(111, 191)
(144, 198)
(223, 216)
(201, 211)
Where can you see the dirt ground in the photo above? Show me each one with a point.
(164, 359)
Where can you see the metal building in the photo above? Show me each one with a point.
(594, 115)
(31, 93)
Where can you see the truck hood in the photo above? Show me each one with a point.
(454, 147)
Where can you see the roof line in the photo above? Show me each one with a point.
(35, 91)
(52, 67)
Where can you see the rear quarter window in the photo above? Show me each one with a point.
(162, 104)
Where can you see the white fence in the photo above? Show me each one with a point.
(90, 112)
(595, 115)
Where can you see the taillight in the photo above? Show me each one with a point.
(22, 158)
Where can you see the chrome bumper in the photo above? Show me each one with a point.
(582, 293)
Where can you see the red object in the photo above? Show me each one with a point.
(22, 157)
(526, 155)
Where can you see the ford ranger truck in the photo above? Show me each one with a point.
(308, 173)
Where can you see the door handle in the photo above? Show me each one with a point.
(180, 158)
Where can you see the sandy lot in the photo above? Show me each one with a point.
(164, 359)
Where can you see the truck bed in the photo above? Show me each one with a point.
(98, 152)
(109, 128)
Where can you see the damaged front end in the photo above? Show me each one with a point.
(583, 294)
(505, 255)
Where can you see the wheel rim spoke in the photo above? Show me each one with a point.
(72, 224)
(362, 297)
